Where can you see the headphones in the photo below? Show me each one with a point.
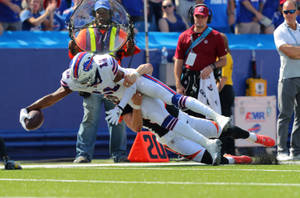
(191, 12)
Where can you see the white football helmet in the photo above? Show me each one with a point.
(83, 68)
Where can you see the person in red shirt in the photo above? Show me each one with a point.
(197, 50)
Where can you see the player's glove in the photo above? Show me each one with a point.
(113, 116)
(23, 115)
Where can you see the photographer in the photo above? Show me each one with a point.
(92, 103)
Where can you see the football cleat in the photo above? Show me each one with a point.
(11, 165)
(240, 159)
(265, 140)
(223, 122)
(214, 149)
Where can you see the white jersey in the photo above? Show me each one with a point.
(108, 68)
(154, 110)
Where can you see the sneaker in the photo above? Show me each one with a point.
(82, 159)
(265, 140)
(240, 159)
(12, 165)
(295, 157)
(214, 149)
(283, 157)
(223, 122)
(120, 158)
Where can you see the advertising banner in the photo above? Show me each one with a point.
(257, 115)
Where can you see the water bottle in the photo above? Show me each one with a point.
(164, 56)
(163, 64)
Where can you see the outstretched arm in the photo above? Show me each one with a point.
(43, 102)
(49, 99)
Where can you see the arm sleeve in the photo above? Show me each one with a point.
(64, 79)
(127, 95)
(24, 15)
(221, 49)
(279, 39)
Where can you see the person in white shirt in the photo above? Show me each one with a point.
(287, 41)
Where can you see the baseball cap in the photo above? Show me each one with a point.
(46, 2)
(281, 2)
(201, 10)
(102, 4)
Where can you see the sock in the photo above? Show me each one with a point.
(252, 137)
(236, 133)
(198, 107)
(206, 159)
(230, 160)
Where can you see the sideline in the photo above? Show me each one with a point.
(185, 166)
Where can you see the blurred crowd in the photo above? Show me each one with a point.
(228, 16)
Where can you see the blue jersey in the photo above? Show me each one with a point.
(219, 12)
(270, 7)
(26, 25)
(7, 15)
(243, 15)
(58, 22)
(134, 7)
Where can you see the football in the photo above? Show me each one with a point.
(35, 120)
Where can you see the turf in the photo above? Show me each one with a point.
(180, 180)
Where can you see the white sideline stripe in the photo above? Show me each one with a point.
(150, 166)
(152, 182)
(111, 165)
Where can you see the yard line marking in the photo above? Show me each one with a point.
(153, 182)
(194, 169)
(190, 166)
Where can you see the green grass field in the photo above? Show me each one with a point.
(102, 179)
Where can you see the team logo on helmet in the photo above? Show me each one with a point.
(87, 65)
(82, 68)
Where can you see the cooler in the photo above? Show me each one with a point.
(256, 87)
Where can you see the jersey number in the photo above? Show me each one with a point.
(154, 144)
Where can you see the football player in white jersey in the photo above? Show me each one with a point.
(145, 111)
(102, 74)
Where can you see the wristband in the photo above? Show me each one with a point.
(120, 107)
(213, 66)
(134, 106)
